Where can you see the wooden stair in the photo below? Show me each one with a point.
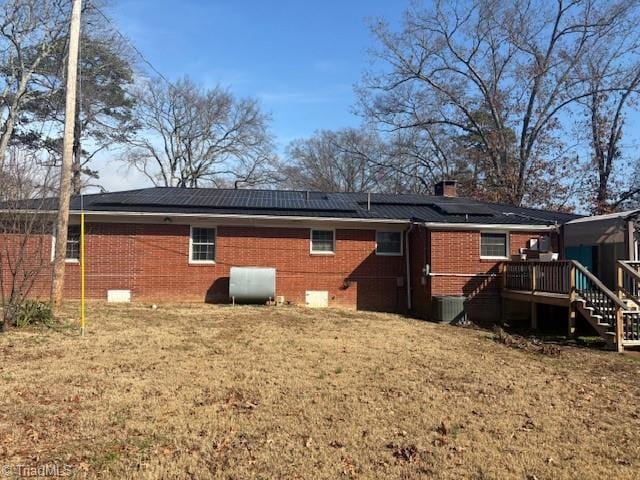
(614, 316)
(601, 318)
(607, 313)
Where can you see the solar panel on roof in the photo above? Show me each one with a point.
(385, 200)
(457, 208)
(232, 199)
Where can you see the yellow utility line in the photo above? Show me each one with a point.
(82, 305)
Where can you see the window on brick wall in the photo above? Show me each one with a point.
(389, 243)
(322, 241)
(73, 242)
(72, 253)
(493, 245)
(202, 245)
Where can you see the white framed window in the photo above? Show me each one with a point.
(494, 245)
(73, 243)
(72, 254)
(388, 243)
(323, 242)
(202, 245)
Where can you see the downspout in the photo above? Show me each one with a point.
(408, 266)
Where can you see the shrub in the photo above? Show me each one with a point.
(33, 312)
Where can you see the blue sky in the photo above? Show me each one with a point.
(300, 58)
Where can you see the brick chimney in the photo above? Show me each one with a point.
(446, 188)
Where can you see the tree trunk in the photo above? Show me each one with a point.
(8, 316)
(6, 135)
(57, 284)
(602, 194)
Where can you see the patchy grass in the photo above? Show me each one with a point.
(201, 391)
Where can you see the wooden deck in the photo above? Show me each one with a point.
(569, 284)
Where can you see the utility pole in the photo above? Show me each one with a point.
(64, 195)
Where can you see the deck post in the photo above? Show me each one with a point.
(571, 325)
(619, 281)
(502, 282)
(619, 330)
(534, 306)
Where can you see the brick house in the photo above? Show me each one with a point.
(381, 252)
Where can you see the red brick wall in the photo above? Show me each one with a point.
(458, 252)
(25, 261)
(152, 262)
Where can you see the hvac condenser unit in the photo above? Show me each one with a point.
(449, 309)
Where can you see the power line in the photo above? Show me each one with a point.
(133, 47)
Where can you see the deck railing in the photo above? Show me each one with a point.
(518, 276)
(629, 280)
(538, 276)
(572, 279)
(631, 326)
(553, 277)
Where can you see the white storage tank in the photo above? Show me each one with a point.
(252, 284)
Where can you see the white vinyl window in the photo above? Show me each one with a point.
(494, 245)
(389, 243)
(202, 245)
(73, 243)
(323, 241)
(72, 253)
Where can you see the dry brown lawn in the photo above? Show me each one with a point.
(201, 391)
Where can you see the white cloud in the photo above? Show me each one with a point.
(116, 176)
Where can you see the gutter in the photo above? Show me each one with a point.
(437, 225)
(626, 215)
(448, 226)
(489, 226)
(244, 217)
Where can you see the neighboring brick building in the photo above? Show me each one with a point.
(169, 244)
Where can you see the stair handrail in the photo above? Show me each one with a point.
(619, 306)
(627, 265)
(601, 286)
(624, 265)
(630, 262)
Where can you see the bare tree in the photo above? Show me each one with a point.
(612, 70)
(420, 157)
(25, 230)
(500, 73)
(359, 159)
(189, 137)
(29, 31)
(348, 160)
